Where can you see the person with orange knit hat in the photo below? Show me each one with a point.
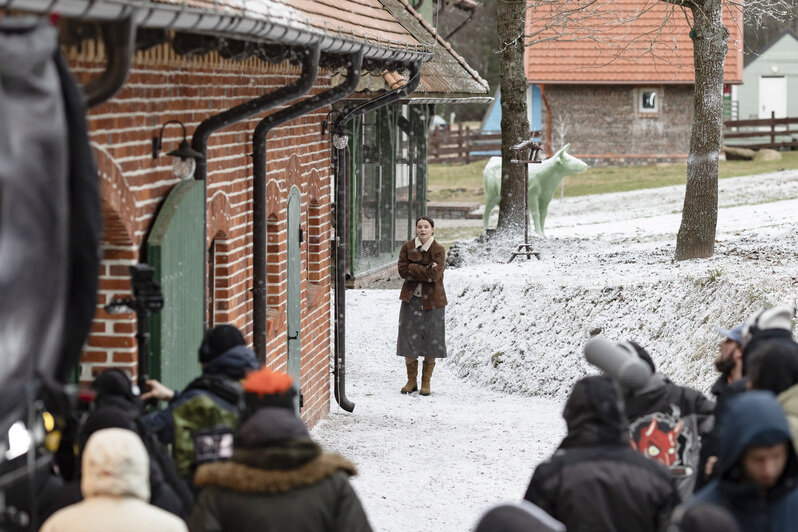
(278, 478)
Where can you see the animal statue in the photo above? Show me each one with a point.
(543, 180)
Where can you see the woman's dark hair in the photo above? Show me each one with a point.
(427, 218)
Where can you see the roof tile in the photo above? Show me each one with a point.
(624, 41)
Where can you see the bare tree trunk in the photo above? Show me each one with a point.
(511, 15)
(696, 236)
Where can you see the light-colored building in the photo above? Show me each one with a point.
(770, 80)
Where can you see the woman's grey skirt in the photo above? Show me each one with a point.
(422, 333)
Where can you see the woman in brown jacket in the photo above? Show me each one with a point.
(422, 331)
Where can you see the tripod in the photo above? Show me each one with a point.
(526, 152)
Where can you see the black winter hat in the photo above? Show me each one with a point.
(113, 382)
(104, 418)
(704, 517)
(644, 356)
(218, 340)
(518, 517)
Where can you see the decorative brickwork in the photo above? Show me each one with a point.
(164, 86)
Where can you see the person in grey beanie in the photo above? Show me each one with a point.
(703, 517)
(518, 517)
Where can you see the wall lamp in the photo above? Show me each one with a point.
(186, 158)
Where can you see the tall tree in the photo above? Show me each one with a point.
(696, 237)
(510, 18)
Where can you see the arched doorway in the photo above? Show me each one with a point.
(294, 318)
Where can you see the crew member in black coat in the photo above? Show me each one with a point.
(595, 480)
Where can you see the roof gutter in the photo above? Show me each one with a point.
(341, 236)
(259, 243)
(260, 23)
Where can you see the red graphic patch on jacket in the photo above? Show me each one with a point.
(658, 444)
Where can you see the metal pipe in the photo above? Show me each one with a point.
(259, 243)
(199, 141)
(341, 236)
(120, 43)
(263, 21)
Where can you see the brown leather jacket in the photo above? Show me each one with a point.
(413, 267)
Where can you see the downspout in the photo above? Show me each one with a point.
(120, 41)
(341, 236)
(259, 243)
(548, 120)
(199, 141)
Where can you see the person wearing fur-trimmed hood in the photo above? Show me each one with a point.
(278, 479)
(422, 318)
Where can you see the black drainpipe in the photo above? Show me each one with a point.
(341, 237)
(259, 243)
(199, 141)
(120, 42)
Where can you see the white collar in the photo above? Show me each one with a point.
(426, 246)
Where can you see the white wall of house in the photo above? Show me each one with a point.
(770, 82)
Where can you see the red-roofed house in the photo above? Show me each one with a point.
(620, 88)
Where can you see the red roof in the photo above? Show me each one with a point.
(622, 41)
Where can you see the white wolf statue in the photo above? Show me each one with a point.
(543, 180)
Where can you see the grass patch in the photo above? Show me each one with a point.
(463, 182)
(446, 236)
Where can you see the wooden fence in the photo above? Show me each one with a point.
(463, 145)
(774, 133)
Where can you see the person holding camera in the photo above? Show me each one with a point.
(422, 319)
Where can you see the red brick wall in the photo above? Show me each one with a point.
(163, 86)
(603, 125)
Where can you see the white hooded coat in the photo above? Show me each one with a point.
(116, 490)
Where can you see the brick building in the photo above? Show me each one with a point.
(623, 93)
(194, 63)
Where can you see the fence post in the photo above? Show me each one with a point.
(434, 140)
(468, 145)
(772, 128)
(460, 141)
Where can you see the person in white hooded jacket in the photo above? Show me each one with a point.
(116, 490)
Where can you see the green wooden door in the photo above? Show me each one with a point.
(293, 364)
(175, 250)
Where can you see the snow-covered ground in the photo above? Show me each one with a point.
(515, 333)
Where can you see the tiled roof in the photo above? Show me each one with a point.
(626, 41)
(446, 75)
(360, 20)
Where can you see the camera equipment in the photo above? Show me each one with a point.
(619, 361)
(147, 298)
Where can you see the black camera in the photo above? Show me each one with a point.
(147, 294)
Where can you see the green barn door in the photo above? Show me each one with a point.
(294, 293)
(175, 250)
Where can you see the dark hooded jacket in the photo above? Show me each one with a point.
(667, 423)
(219, 381)
(278, 480)
(116, 406)
(595, 481)
(754, 419)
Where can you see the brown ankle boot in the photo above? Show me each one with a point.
(412, 376)
(426, 375)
